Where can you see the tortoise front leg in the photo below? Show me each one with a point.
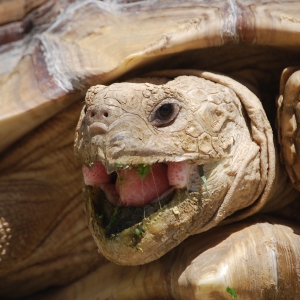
(253, 259)
(288, 122)
(250, 260)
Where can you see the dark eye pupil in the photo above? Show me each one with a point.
(165, 111)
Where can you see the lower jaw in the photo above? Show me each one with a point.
(138, 235)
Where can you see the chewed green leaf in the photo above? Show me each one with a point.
(143, 170)
(137, 231)
(120, 179)
(232, 292)
(113, 219)
(119, 165)
(100, 217)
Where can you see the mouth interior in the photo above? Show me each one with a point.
(114, 219)
(128, 195)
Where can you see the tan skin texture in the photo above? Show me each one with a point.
(51, 53)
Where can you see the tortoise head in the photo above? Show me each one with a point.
(167, 158)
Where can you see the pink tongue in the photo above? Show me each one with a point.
(135, 191)
(96, 176)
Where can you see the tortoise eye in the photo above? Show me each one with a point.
(164, 114)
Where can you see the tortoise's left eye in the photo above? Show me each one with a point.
(165, 111)
(164, 114)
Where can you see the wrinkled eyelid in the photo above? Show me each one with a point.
(166, 101)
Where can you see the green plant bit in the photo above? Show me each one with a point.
(100, 217)
(113, 219)
(203, 177)
(232, 292)
(139, 230)
(143, 170)
(139, 249)
(114, 216)
(120, 179)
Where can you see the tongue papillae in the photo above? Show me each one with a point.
(96, 176)
(135, 189)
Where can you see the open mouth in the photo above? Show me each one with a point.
(130, 194)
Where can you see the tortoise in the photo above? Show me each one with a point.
(170, 86)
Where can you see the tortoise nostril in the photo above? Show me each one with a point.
(101, 115)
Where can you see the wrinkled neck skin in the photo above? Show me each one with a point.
(282, 192)
(192, 121)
